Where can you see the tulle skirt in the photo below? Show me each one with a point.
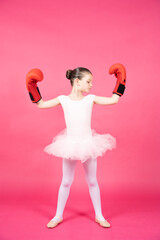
(80, 148)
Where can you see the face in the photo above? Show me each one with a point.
(85, 83)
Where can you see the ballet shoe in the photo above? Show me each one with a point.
(102, 223)
(54, 223)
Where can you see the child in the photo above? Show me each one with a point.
(78, 141)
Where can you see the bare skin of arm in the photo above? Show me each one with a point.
(106, 100)
(97, 100)
(48, 104)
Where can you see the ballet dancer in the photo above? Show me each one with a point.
(78, 142)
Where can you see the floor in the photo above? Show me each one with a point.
(132, 216)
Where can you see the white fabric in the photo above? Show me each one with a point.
(78, 141)
(90, 169)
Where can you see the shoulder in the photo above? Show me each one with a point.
(62, 98)
(92, 97)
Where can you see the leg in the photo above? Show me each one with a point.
(90, 169)
(68, 169)
(67, 179)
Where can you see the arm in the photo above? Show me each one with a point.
(48, 104)
(106, 100)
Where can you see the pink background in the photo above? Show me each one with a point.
(59, 35)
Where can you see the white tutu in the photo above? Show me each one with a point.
(78, 141)
(80, 148)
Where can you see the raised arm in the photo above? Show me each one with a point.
(48, 104)
(106, 100)
(120, 73)
(33, 76)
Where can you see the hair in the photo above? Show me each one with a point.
(76, 73)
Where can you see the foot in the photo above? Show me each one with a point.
(54, 222)
(103, 223)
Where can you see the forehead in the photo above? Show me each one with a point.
(87, 76)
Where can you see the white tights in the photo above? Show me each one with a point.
(90, 169)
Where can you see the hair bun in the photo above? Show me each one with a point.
(68, 73)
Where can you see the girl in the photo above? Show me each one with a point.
(78, 141)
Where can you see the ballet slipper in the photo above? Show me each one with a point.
(54, 223)
(103, 223)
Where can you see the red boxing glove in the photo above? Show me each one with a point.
(120, 73)
(34, 76)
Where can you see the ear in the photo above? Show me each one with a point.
(76, 80)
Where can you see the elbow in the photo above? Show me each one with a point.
(40, 104)
(114, 101)
(115, 98)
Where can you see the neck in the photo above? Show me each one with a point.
(75, 93)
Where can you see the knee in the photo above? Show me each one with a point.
(66, 182)
(92, 182)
